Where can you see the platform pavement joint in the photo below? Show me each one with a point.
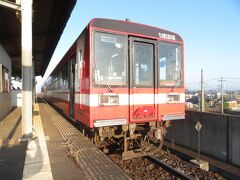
(37, 164)
(94, 163)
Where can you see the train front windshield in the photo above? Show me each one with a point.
(110, 61)
(170, 65)
(110, 53)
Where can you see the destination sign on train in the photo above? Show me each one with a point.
(166, 36)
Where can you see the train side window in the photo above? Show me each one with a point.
(65, 75)
(55, 81)
(80, 58)
(80, 63)
(60, 79)
(4, 80)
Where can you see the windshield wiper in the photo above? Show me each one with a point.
(173, 86)
(106, 85)
(177, 81)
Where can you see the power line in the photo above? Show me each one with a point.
(230, 78)
(211, 84)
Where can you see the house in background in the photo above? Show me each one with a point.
(5, 83)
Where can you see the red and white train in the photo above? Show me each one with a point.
(123, 82)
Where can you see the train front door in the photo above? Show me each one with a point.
(72, 86)
(143, 105)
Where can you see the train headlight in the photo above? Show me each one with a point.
(173, 98)
(108, 99)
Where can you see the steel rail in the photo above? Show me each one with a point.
(169, 169)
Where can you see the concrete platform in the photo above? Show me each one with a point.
(59, 150)
(12, 152)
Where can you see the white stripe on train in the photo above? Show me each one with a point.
(135, 99)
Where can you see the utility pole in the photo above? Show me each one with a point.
(221, 80)
(202, 94)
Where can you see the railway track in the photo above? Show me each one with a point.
(162, 165)
(169, 169)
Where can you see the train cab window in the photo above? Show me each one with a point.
(4, 80)
(170, 65)
(110, 52)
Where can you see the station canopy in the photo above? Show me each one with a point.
(49, 20)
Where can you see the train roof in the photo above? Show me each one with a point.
(134, 28)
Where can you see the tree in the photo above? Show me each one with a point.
(226, 107)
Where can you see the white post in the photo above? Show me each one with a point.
(26, 20)
(33, 81)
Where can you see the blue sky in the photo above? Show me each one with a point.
(210, 29)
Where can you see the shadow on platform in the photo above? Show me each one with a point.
(12, 160)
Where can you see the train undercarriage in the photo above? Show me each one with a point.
(131, 140)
